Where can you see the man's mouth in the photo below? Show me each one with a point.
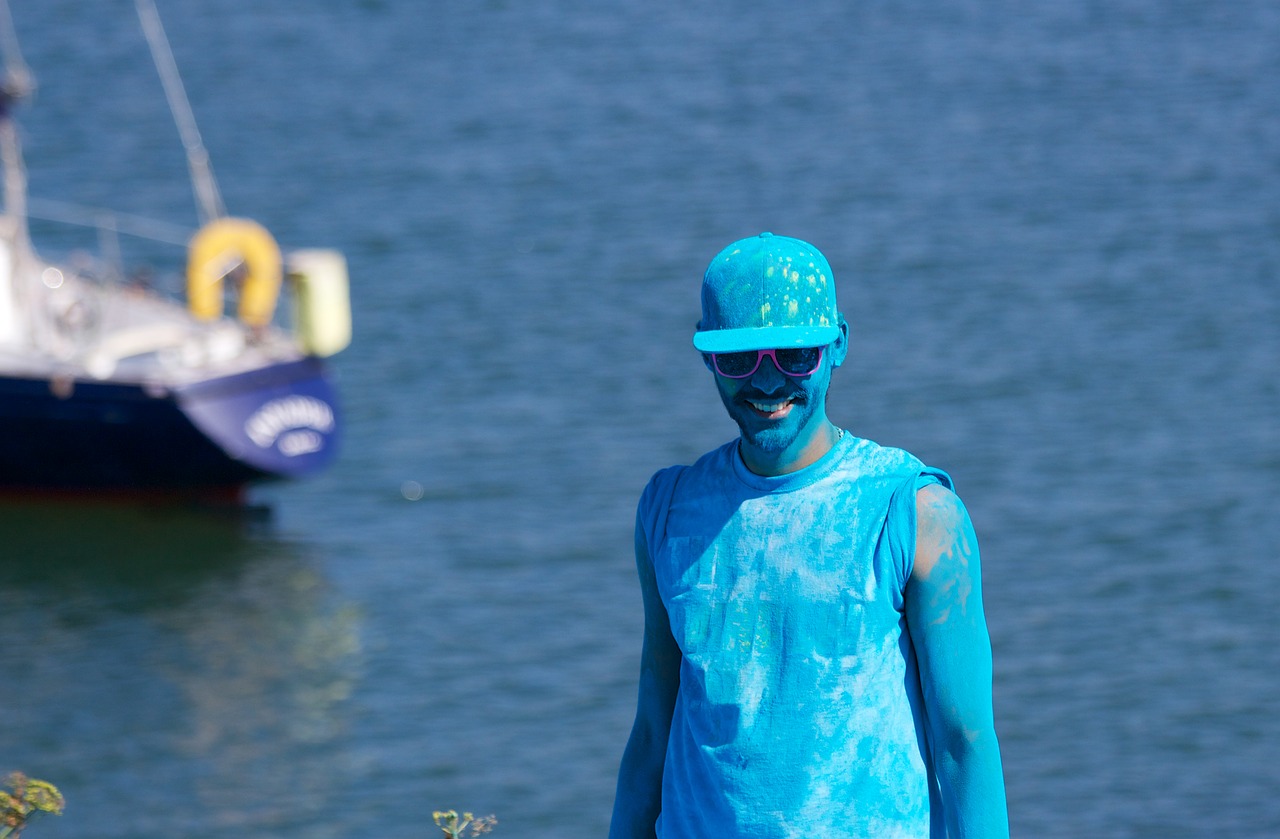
(773, 409)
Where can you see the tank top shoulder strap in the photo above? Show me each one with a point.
(655, 504)
(900, 523)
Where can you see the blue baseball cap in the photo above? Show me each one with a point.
(767, 292)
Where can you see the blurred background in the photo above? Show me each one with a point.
(1056, 230)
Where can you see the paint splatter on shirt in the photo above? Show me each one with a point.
(798, 711)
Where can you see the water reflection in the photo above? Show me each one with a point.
(124, 553)
(198, 642)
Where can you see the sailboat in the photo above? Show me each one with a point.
(109, 386)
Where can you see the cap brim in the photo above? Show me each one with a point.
(764, 338)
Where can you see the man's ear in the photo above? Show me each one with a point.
(706, 359)
(840, 346)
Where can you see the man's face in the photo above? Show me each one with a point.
(776, 413)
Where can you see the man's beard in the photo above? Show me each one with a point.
(766, 436)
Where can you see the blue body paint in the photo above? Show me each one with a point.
(949, 634)
(783, 419)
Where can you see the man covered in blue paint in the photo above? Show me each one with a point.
(816, 660)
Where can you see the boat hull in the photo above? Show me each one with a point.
(280, 421)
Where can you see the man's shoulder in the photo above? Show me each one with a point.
(663, 483)
(663, 479)
(869, 458)
(900, 471)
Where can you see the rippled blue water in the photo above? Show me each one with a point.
(1056, 232)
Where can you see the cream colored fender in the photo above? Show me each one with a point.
(215, 250)
(321, 300)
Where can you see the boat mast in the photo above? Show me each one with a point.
(18, 83)
(208, 199)
(15, 241)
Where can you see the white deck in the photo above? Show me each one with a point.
(55, 322)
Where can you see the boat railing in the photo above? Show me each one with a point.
(107, 227)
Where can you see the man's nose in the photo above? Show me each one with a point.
(768, 378)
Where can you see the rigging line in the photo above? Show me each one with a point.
(63, 212)
(208, 199)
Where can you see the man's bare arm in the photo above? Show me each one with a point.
(949, 631)
(639, 797)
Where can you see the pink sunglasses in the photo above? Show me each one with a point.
(796, 362)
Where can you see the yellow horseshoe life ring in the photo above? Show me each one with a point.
(219, 247)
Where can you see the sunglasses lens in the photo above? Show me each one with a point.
(736, 365)
(799, 361)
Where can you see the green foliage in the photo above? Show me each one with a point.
(26, 797)
(457, 827)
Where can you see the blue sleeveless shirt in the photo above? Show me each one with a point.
(799, 710)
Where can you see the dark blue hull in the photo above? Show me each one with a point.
(281, 421)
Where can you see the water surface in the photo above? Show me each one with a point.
(1055, 230)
